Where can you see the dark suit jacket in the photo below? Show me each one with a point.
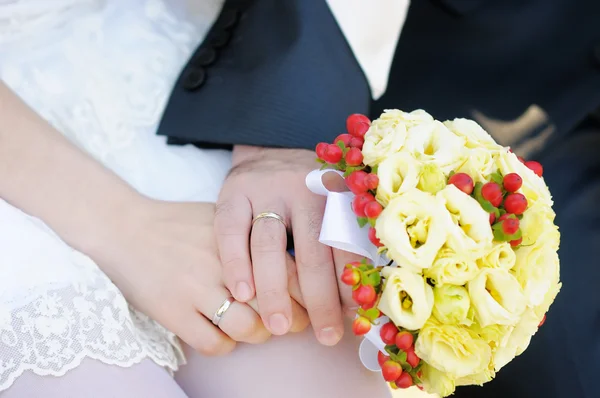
(280, 73)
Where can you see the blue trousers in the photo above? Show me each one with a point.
(563, 359)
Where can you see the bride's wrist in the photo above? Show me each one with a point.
(111, 224)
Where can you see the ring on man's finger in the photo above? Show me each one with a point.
(269, 214)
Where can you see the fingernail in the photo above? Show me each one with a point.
(242, 291)
(279, 324)
(329, 336)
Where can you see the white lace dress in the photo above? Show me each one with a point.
(101, 72)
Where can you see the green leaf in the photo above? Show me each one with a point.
(451, 174)
(486, 205)
(516, 235)
(365, 279)
(497, 178)
(372, 314)
(341, 144)
(374, 169)
(375, 278)
(362, 221)
(372, 222)
(499, 234)
(320, 161)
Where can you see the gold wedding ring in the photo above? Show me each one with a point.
(221, 310)
(269, 214)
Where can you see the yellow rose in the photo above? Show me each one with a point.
(551, 294)
(454, 350)
(497, 297)
(413, 227)
(474, 135)
(451, 304)
(537, 269)
(534, 187)
(432, 142)
(477, 379)
(406, 299)
(449, 267)
(470, 233)
(387, 134)
(500, 255)
(479, 164)
(494, 335)
(538, 219)
(431, 178)
(436, 382)
(518, 339)
(397, 174)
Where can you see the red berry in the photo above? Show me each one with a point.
(354, 157)
(373, 209)
(356, 182)
(321, 149)
(360, 326)
(412, 358)
(510, 226)
(357, 142)
(512, 182)
(492, 218)
(373, 237)
(492, 193)
(516, 242)
(404, 381)
(542, 321)
(333, 154)
(515, 203)
(368, 306)
(345, 138)
(536, 167)
(350, 276)
(463, 182)
(360, 201)
(371, 181)
(391, 370)
(381, 358)
(357, 124)
(364, 294)
(503, 217)
(388, 333)
(404, 340)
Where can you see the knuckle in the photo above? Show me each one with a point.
(321, 313)
(269, 238)
(210, 345)
(271, 295)
(251, 329)
(234, 263)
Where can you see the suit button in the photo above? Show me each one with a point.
(596, 54)
(228, 19)
(205, 57)
(194, 78)
(220, 40)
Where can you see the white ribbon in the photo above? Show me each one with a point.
(341, 231)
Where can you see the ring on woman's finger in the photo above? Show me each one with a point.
(221, 310)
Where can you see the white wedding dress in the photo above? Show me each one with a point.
(101, 72)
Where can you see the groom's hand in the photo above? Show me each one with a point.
(273, 180)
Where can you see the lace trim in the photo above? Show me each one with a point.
(54, 333)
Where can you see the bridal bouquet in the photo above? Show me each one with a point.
(459, 243)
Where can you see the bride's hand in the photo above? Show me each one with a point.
(164, 260)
